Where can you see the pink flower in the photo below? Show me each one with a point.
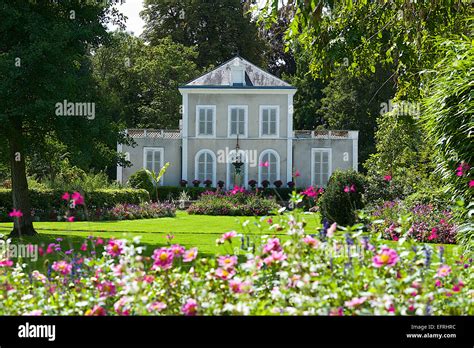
(386, 257)
(34, 313)
(169, 236)
(462, 169)
(346, 189)
(50, 248)
(99, 241)
(70, 218)
(438, 283)
(357, 301)
(66, 196)
(273, 244)
(275, 257)
(433, 234)
(331, 230)
(6, 263)
(156, 306)
(190, 307)
(297, 174)
(227, 262)
(84, 247)
(163, 259)
(77, 198)
(310, 192)
(471, 183)
(16, 213)
(114, 247)
(96, 311)
(228, 236)
(225, 274)
(62, 267)
(353, 188)
(177, 250)
(238, 287)
(443, 271)
(190, 255)
(270, 221)
(311, 241)
(264, 164)
(107, 288)
(237, 189)
(40, 251)
(387, 177)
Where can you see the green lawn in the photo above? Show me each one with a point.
(189, 230)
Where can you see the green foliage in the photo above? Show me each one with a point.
(367, 35)
(49, 200)
(465, 235)
(141, 180)
(246, 204)
(448, 117)
(339, 206)
(354, 103)
(218, 29)
(141, 81)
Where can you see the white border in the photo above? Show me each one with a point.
(213, 107)
(317, 149)
(246, 120)
(260, 120)
(214, 165)
(162, 159)
(277, 156)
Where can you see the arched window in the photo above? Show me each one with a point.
(269, 166)
(205, 166)
(231, 177)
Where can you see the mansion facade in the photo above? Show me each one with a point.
(239, 111)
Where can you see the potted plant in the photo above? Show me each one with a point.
(252, 183)
(265, 183)
(196, 182)
(220, 184)
(291, 184)
(183, 183)
(207, 183)
(278, 183)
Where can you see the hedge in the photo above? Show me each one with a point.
(102, 198)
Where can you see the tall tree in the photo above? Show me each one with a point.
(43, 62)
(142, 81)
(219, 29)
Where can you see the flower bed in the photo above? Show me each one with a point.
(328, 274)
(426, 224)
(142, 211)
(235, 202)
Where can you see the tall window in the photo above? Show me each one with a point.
(153, 159)
(238, 121)
(205, 121)
(321, 166)
(206, 166)
(269, 166)
(269, 123)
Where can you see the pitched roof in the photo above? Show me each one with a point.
(221, 77)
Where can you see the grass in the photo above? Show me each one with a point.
(199, 231)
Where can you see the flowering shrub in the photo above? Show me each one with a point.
(328, 274)
(234, 202)
(142, 211)
(342, 197)
(426, 224)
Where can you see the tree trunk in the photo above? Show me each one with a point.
(23, 226)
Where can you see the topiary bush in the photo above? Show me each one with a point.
(342, 197)
(141, 180)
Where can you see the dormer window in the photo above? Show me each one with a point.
(237, 74)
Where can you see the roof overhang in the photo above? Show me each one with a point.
(237, 90)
